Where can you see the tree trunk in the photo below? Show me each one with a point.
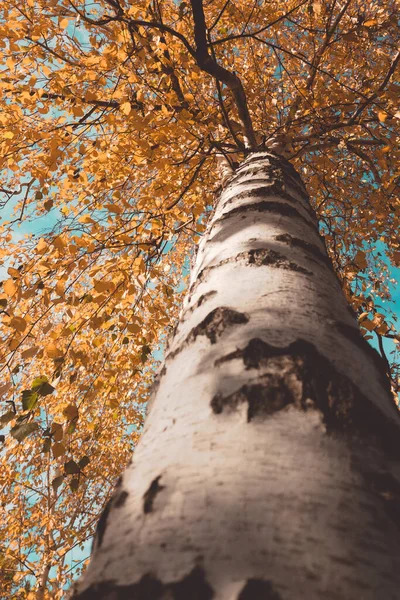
(268, 466)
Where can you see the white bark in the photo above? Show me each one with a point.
(268, 468)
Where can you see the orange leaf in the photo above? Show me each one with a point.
(60, 287)
(57, 432)
(18, 323)
(71, 412)
(30, 352)
(126, 108)
(58, 450)
(42, 246)
(53, 351)
(9, 287)
(382, 116)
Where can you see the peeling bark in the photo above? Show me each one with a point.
(272, 425)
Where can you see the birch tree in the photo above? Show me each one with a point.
(262, 137)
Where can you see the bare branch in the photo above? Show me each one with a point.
(229, 38)
(380, 89)
(367, 159)
(316, 62)
(231, 80)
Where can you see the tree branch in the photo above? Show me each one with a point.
(367, 159)
(230, 38)
(231, 80)
(316, 62)
(380, 89)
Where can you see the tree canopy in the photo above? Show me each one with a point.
(115, 115)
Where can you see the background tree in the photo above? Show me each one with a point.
(114, 117)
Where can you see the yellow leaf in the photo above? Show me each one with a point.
(13, 272)
(59, 242)
(4, 388)
(350, 37)
(64, 23)
(9, 287)
(60, 287)
(57, 432)
(14, 343)
(18, 323)
(86, 219)
(382, 329)
(58, 450)
(368, 324)
(126, 108)
(42, 246)
(30, 352)
(97, 342)
(104, 286)
(53, 351)
(71, 412)
(317, 7)
(382, 116)
(139, 265)
(8, 135)
(360, 260)
(114, 208)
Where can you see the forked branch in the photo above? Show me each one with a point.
(231, 80)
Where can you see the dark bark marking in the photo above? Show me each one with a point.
(148, 588)
(259, 589)
(202, 299)
(281, 168)
(266, 189)
(263, 399)
(193, 586)
(216, 322)
(120, 499)
(101, 526)
(298, 374)
(279, 208)
(254, 354)
(263, 257)
(149, 496)
(307, 246)
(258, 257)
(117, 500)
(155, 385)
(206, 296)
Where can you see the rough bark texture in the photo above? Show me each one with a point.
(269, 464)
